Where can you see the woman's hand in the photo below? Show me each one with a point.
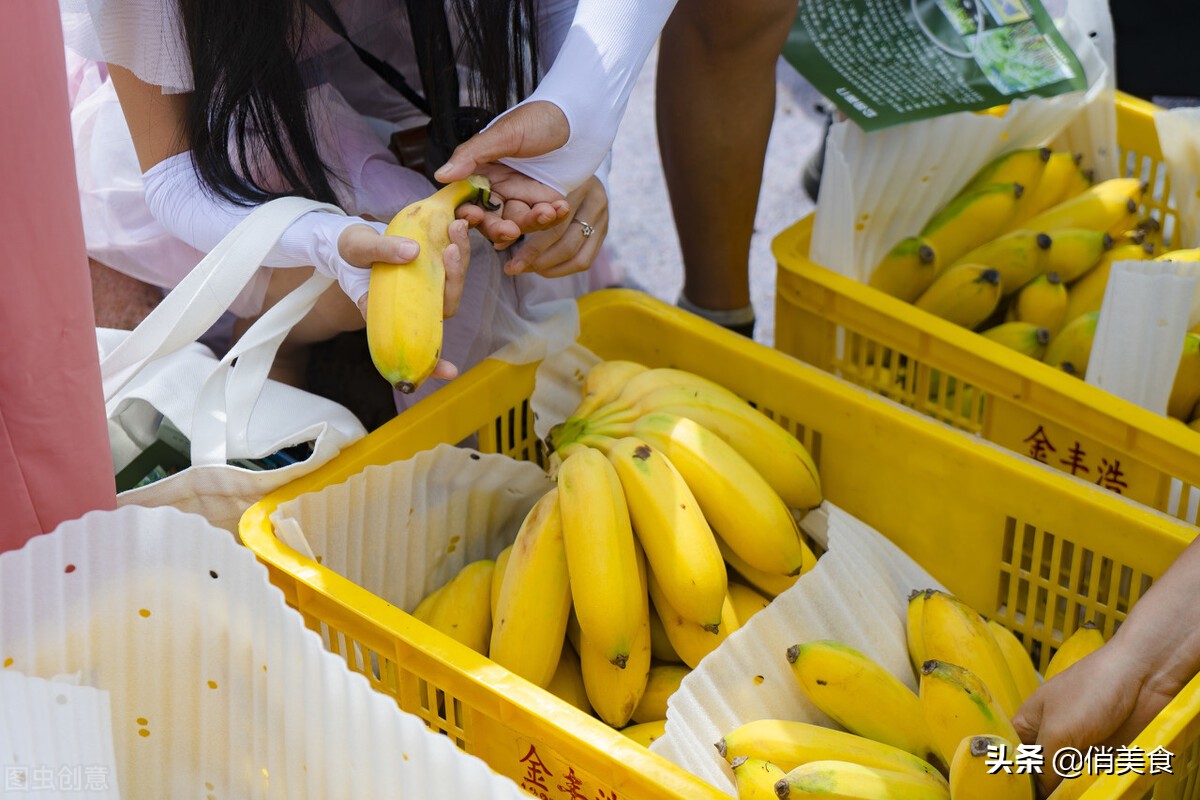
(565, 249)
(363, 246)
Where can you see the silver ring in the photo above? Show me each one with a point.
(588, 230)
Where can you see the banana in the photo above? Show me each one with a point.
(463, 610)
(770, 584)
(746, 602)
(953, 631)
(1072, 347)
(965, 295)
(535, 597)
(907, 270)
(679, 544)
(1180, 255)
(755, 779)
(1087, 292)
(691, 641)
(913, 619)
(404, 307)
(664, 679)
(1086, 640)
(602, 554)
(615, 691)
(660, 643)
(1042, 302)
(788, 744)
(1061, 180)
(843, 779)
(1018, 257)
(1109, 206)
(646, 732)
(862, 697)
(425, 608)
(1025, 167)
(604, 383)
(1020, 665)
(972, 779)
(567, 683)
(1024, 337)
(957, 704)
(1074, 251)
(1185, 391)
(972, 218)
(498, 576)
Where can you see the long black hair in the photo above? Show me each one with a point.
(249, 99)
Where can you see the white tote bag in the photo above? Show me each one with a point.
(227, 410)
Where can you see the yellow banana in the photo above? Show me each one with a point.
(664, 679)
(602, 554)
(425, 608)
(971, 778)
(755, 779)
(746, 602)
(604, 383)
(1024, 337)
(954, 632)
(535, 597)
(646, 732)
(788, 744)
(1018, 257)
(1180, 255)
(845, 780)
(1061, 179)
(1074, 251)
(691, 641)
(957, 704)
(1109, 206)
(862, 697)
(770, 584)
(404, 303)
(1185, 391)
(972, 218)
(1025, 167)
(907, 270)
(463, 610)
(498, 577)
(965, 295)
(1086, 640)
(614, 691)
(1042, 302)
(679, 544)
(660, 643)
(913, 634)
(1087, 293)
(1020, 665)
(1072, 347)
(567, 683)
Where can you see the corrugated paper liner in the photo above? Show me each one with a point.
(857, 594)
(402, 530)
(1179, 139)
(194, 678)
(878, 188)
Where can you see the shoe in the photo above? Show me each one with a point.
(811, 178)
(738, 320)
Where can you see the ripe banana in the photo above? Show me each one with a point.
(602, 555)
(615, 691)
(1185, 391)
(972, 218)
(1086, 640)
(637, 387)
(1018, 257)
(604, 383)
(907, 270)
(1180, 255)
(965, 295)
(498, 577)
(1061, 179)
(843, 779)
(679, 544)
(425, 608)
(972, 779)
(755, 779)
(1042, 302)
(1025, 167)
(862, 697)
(462, 609)
(1109, 206)
(1020, 665)
(953, 631)
(914, 635)
(771, 585)
(746, 602)
(1075, 251)
(1024, 337)
(404, 306)
(660, 643)
(646, 732)
(1087, 293)
(567, 683)
(664, 679)
(691, 641)
(957, 704)
(535, 597)
(788, 744)
(1072, 347)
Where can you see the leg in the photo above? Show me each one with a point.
(118, 300)
(715, 104)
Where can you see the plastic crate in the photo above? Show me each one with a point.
(1022, 543)
(859, 333)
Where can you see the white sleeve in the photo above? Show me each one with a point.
(183, 206)
(590, 80)
(144, 36)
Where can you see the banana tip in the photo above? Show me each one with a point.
(737, 762)
(1108, 242)
(793, 653)
(722, 748)
(1043, 336)
(991, 276)
(783, 789)
(620, 661)
(929, 667)
(1044, 241)
(713, 628)
(405, 387)
(979, 746)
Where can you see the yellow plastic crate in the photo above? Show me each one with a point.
(857, 332)
(1021, 543)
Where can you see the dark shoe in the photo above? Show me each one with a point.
(812, 171)
(738, 320)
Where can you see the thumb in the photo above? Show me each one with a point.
(484, 147)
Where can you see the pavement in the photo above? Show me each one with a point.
(642, 235)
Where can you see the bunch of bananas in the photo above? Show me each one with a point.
(618, 583)
(973, 676)
(1023, 253)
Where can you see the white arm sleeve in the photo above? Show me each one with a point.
(180, 203)
(590, 80)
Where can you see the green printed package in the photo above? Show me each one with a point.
(885, 62)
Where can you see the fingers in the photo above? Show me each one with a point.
(445, 370)
(362, 246)
(530, 129)
(455, 258)
(1028, 720)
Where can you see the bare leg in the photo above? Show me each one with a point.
(118, 300)
(715, 103)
